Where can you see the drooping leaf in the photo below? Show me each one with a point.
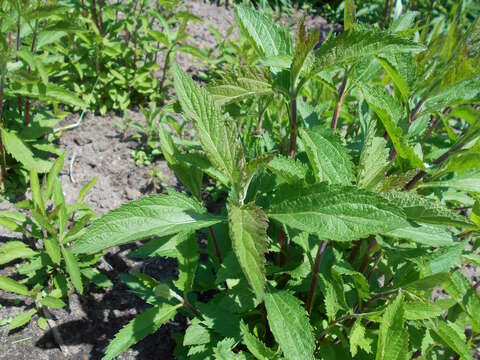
(268, 39)
(358, 338)
(290, 325)
(187, 255)
(393, 335)
(73, 269)
(21, 319)
(20, 152)
(391, 115)
(373, 159)
(453, 338)
(143, 325)
(160, 215)
(218, 137)
(357, 44)
(339, 213)
(329, 158)
(241, 84)
(291, 170)
(10, 285)
(255, 346)
(429, 235)
(248, 231)
(468, 181)
(13, 250)
(417, 310)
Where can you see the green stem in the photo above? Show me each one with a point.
(3, 164)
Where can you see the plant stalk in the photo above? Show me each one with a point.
(293, 126)
(215, 244)
(316, 267)
(3, 164)
(341, 95)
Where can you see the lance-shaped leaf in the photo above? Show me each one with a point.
(373, 159)
(454, 338)
(349, 14)
(290, 326)
(401, 68)
(255, 346)
(390, 113)
(240, 84)
(291, 170)
(393, 335)
(248, 230)
(143, 325)
(303, 46)
(425, 210)
(357, 44)
(187, 256)
(14, 250)
(20, 152)
(159, 215)
(268, 39)
(468, 181)
(340, 213)
(218, 137)
(10, 285)
(73, 269)
(329, 158)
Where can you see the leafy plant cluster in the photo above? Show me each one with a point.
(347, 202)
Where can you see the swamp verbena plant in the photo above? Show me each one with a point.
(335, 248)
(350, 185)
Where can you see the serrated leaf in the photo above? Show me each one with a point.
(290, 325)
(13, 250)
(141, 326)
(425, 210)
(52, 248)
(21, 319)
(453, 339)
(96, 277)
(329, 158)
(10, 285)
(468, 181)
(429, 235)
(187, 254)
(401, 68)
(268, 39)
(373, 159)
(255, 346)
(291, 170)
(416, 310)
(159, 215)
(303, 46)
(338, 213)
(393, 335)
(49, 93)
(348, 14)
(73, 269)
(358, 339)
(20, 152)
(248, 231)
(357, 44)
(218, 137)
(390, 113)
(53, 174)
(52, 302)
(241, 84)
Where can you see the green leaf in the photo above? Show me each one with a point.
(429, 235)
(10, 285)
(291, 170)
(141, 326)
(187, 254)
(417, 310)
(159, 215)
(165, 246)
(465, 91)
(53, 174)
(348, 14)
(248, 231)
(358, 338)
(73, 269)
(255, 346)
(86, 189)
(339, 213)
(49, 93)
(218, 137)
(391, 114)
(453, 338)
(468, 181)
(290, 325)
(268, 39)
(425, 210)
(303, 47)
(241, 84)
(401, 68)
(13, 250)
(21, 319)
(52, 302)
(52, 248)
(96, 277)
(20, 152)
(393, 335)
(357, 44)
(373, 159)
(329, 158)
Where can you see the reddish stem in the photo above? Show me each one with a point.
(293, 127)
(316, 267)
(341, 95)
(215, 244)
